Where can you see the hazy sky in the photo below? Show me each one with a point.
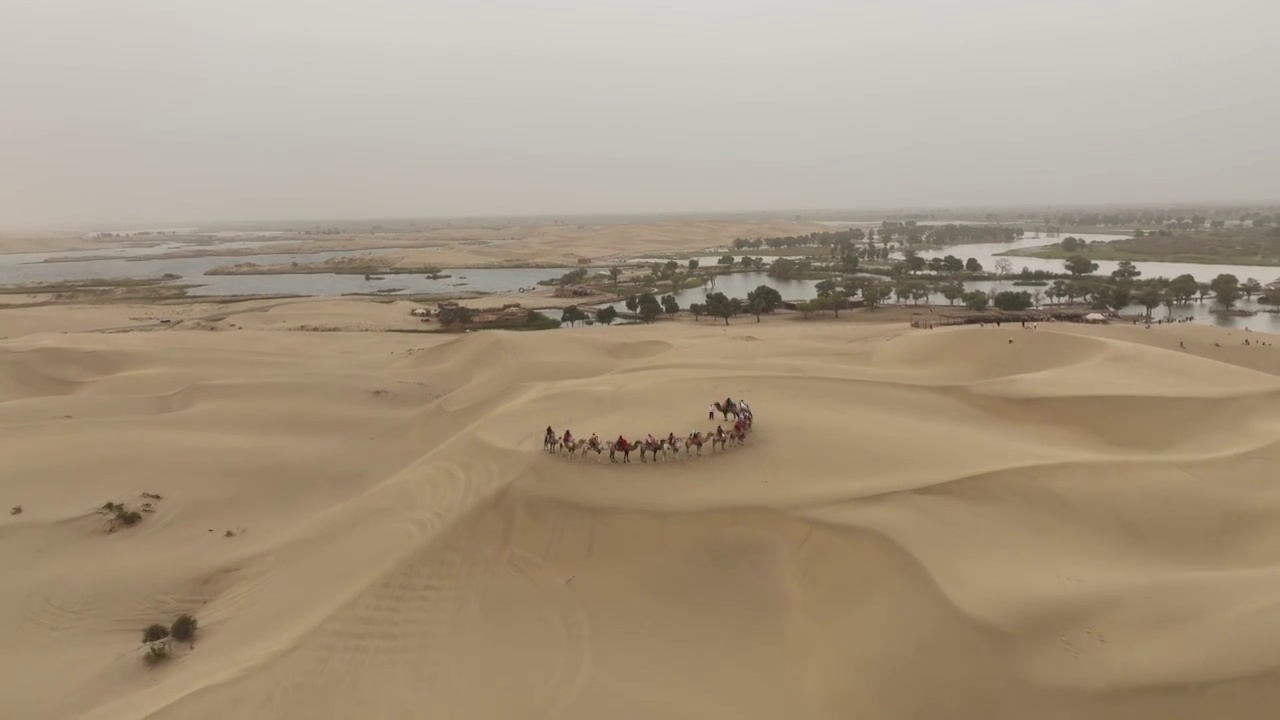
(136, 110)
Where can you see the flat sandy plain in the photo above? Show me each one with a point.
(1068, 522)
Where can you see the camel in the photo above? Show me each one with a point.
(585, 446)
(625, 448)
(738, 436)
(673, 445)
(721, 438)
(726, 410)
(693, 441)
(575, 447)
(653, 448)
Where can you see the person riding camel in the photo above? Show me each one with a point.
(649, 439)
(737, 426)
(622, 442)
(671, 439)
(594, 441)
(568, 437)
(719, 431)
(728, 404)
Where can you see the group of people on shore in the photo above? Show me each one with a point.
(567, 444)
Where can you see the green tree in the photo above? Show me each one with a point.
(837, 300)
(1009, 300)
(693, 264)
(1126, 271)
(874, 292)
(953, 291)
(669, 304)
(573, 277)
(976, 300)
(825, 288)
(1184, 287)
(607, 314)
(972, 265)
(573, 314)
(1226, 290)
(1077, 265)
(1149, 297)
(649, 307)
(614, 274)
(783, 268)
(1119, 297)
(756, 306)
(697, 310)
(1073, 244)
(633, 303)
(718, 305)
(725, 259)
(770, 299)
(1250, 288)
(952, 264)
(450, 315)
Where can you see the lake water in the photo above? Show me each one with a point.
(985, 253)
(28, 268)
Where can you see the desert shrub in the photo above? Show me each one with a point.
(154, 632)
(157, 652)
(121, 514)
(184, 628)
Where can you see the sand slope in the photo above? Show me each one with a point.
(926, 524)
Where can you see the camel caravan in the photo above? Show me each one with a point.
(720, 439)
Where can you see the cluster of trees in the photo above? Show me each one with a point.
(787, 269)
(649, 307)
(746, 262)
(817, 239)
(573, 277)
(912, 263)
(761, 301)
(910, 233)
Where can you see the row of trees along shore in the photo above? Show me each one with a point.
(907, 281)
(889, 232)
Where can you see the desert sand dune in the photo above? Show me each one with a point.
(1083, 523)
